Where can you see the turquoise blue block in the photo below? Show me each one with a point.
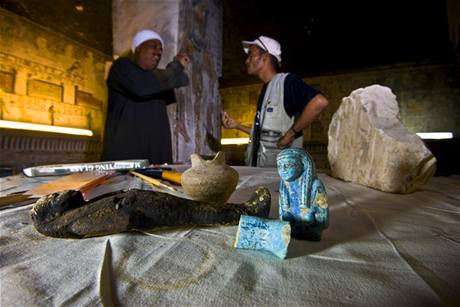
(263, 234)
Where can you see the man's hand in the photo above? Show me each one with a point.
(286, 140)
(228, 122)
(183, 58)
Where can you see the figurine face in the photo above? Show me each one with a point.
(289, 169)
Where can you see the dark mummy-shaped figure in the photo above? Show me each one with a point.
(67, 215)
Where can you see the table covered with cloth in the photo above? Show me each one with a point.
(380, 249)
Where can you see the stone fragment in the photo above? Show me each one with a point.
(368, 144)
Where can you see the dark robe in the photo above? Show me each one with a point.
(137, 125)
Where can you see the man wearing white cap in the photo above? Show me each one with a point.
(286, 105)
(137, 125)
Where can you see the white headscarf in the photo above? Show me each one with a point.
(143, 36)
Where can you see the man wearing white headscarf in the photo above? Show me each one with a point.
(137, 125)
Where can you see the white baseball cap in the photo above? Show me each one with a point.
(266, 43)
(143, 36)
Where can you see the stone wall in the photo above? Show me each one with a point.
(428, 96)
(47, 78)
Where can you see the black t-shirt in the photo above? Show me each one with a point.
(297, 94)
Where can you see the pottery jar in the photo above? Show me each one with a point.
(210, 180)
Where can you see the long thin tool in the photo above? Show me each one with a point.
(17, 199)
(153, 181)
(159, 173)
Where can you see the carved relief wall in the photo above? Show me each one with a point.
(47, 78)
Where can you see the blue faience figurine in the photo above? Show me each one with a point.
(302, 196)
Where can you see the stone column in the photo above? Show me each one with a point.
(193, 26)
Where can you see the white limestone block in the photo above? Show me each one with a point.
(368, 144)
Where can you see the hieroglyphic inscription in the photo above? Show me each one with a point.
(39, 88)
(7, 81)
(84, 98)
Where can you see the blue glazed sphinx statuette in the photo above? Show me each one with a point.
(302, 198)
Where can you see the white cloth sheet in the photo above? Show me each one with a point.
(380, 250)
